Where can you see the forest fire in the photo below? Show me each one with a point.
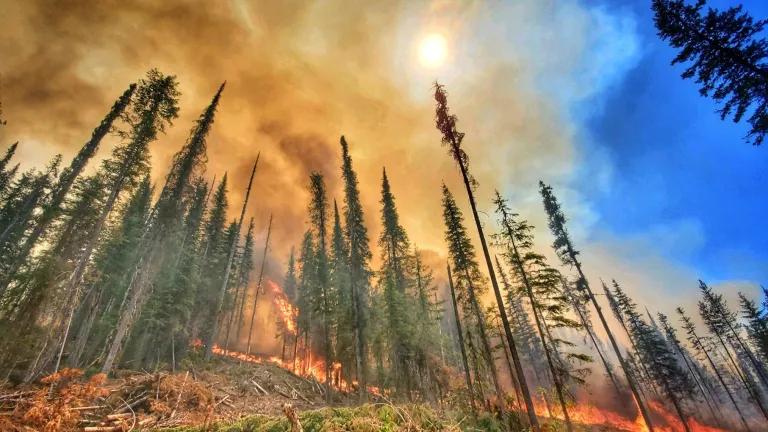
(287, 311)
(589, 414)
(314, 369)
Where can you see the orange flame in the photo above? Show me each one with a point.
(287, 311)
(315, 369)
(588, 414)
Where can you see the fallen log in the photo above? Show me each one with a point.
(297, 393)
(131, 405)
(260, 387)
(282, 393)
(119, 416)
(17, 394)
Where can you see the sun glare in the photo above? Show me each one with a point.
(432, 50)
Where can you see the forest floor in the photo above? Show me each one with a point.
(223, 395)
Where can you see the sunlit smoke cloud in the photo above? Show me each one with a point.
(300, 74)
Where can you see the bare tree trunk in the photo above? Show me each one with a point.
(225, 282)
(678, 409)
(461, 344)
(131, 308)
(697, 379)
(752, 393)
(722, 381)
(529, 291)
(588, 327)
(512, 375)
(258, 286)
(533, 420)
(295, 348)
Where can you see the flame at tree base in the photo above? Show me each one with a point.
(587, 414)
(581, 413)
(314, 369)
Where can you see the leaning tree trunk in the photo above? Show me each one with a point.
(752, 393)
(66, 181)
(722, 381)
(529, 291)
(531, 410)
(461, 344)
(588, 327)
(630, 379)
(488, 353)
(696, 378)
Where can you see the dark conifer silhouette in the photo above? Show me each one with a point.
(757, 324)
(67, 178)
(725, 53)
(698, 345)
(359, 257)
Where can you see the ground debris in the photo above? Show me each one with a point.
(223, 390)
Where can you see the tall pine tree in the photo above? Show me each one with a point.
(726, 52)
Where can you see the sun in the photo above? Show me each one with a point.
(432, 50)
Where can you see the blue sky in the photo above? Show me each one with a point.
(677, 169)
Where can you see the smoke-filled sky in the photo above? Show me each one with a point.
(578, 93)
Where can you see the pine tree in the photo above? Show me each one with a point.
(31, 305)
(425, 334)
(671, 335)
(446, 124)
(113, 264)
(618, 301)
(757, 324)
(342, 303)
(524, 332)
(177, 295)
(469, 281)
(228, 267)
(652, 350)
(569, 256)
(291, 282)
(7, 174)
(579, 301)
(394, 283)
(153, 106)
(721, 322)
(725, 53)
(306, 292)
(17, 215)
(698, 345)
(460, 332)
(213, 258)
(52, 205)
(318, 214)
(359, 270)
(165, 230)
(517, 240)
